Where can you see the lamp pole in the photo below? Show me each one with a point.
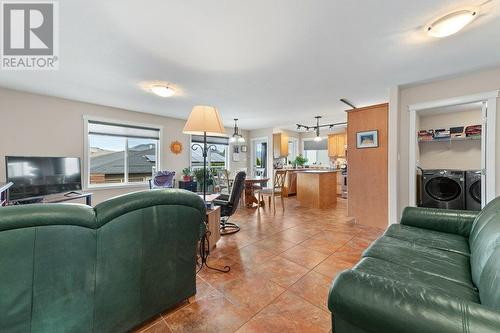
(204, 150)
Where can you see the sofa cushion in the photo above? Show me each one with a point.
(484, 243)
(430, 238)
(445, 264)
(389, 270)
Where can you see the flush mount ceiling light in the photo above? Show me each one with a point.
(162, 90)
(451, 23)
(236, 137)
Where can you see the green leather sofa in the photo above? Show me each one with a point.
(74, 268)
(437, 271)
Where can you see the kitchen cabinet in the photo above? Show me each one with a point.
(336, 145)
(317, 188)
(280, 145)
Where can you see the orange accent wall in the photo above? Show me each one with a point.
(367, 167)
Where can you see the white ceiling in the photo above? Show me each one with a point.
(271, 63)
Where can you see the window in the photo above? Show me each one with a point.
(316, 152)
(293, 148)
(121, 154)
(317, 157)
(217, 158)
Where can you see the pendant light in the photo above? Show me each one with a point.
(318, 127)
(317, 138)
(236, 137)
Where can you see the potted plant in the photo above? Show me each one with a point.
(198, 174)
(187, 174)
(300, 160)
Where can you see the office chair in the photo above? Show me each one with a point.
(230, 204)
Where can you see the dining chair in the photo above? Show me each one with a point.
(221, 181)
(275, 190)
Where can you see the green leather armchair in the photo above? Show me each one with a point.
(73, 268)
(437, 271)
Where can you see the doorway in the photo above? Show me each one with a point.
(259, 157)
(450, 151)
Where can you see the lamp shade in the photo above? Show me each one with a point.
(204, 119)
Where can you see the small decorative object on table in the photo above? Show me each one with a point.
(367, 139)
(176, 147)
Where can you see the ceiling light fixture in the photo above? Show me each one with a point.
(237, 137)
(317, 138)
(162, 90)
(451, 23)
(318, 126)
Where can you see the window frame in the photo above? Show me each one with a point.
(227, 157)
(295, 142)
(86, 156)
(316, 150)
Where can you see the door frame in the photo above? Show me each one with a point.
(252, 154)
(488, 140)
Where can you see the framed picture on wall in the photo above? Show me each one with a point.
(244, 149)
(367, 139)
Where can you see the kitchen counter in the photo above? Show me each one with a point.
(317, 188)
(317, 171)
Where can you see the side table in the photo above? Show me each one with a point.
(213, 221)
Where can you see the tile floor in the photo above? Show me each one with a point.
(282, 265)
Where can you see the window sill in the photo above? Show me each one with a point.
(115, 187)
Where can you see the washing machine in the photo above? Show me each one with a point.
(473, 190)
(443, 189)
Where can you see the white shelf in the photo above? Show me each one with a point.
(468, 138)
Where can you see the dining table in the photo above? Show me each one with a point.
(252, 184)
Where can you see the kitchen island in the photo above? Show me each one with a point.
(317, 188)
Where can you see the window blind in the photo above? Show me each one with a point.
(122, 130)
(215, 140)
(316, 145)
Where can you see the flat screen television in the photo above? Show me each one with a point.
(40, 176)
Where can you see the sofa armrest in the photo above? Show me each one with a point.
(445, 220)
(377, 304)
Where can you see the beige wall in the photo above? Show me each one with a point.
(477, 82)
(461, 155)
(46, 126)
(244, 157)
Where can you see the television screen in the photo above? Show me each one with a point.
(40, 176)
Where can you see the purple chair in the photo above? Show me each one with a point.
(163, 179)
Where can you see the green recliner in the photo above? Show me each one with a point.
(437, 271)
(74, 268)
